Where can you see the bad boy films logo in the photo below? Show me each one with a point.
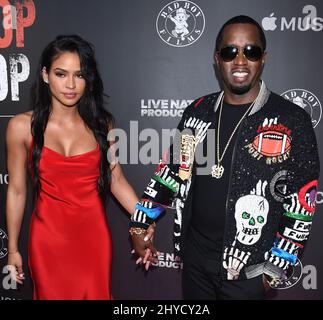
(3, 244)
(180, 23)
(306, 100)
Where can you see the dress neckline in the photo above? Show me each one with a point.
(75, 155)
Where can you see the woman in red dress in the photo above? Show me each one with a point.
(63, 142)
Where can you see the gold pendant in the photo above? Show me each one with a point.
(217, 171)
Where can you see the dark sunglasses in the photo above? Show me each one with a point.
(251, 52)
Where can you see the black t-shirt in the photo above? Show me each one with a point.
(209, 194)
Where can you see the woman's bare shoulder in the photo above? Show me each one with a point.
(19, 125)
(21, 119)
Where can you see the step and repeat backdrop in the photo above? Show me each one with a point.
(151, 72)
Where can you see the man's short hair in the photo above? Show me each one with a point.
(241, 19)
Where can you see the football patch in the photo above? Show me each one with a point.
(272, 143)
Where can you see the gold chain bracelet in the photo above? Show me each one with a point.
(137, 231)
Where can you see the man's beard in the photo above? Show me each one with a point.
(240, 90)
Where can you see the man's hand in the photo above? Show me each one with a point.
(266, 283)
(143, 246)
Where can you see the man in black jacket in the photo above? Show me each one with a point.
(245, 213)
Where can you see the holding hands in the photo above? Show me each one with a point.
(142, 243)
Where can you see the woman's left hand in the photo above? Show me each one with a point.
(144, 248)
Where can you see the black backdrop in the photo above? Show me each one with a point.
(150, 77)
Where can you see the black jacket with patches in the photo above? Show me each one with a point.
(272, 188)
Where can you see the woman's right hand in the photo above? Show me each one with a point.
(15, 267)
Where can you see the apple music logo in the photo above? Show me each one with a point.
(309, 22)
(269, 23)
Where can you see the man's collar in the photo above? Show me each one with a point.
(259, 102)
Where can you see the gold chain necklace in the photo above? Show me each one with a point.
(218, 169)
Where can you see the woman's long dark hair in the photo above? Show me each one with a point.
(90, 106)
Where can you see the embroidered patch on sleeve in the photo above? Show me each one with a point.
(307, 196)
(278, 185)
(303, 202)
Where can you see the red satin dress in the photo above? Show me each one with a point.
(70, 247)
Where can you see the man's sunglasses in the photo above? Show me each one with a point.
(251, 52)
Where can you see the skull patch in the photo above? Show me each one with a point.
(251, 213)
